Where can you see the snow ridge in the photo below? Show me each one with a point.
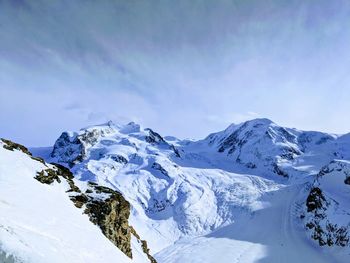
(246, 188)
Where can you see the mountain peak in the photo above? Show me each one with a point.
(109, 124)
(260, 121)
(257, 123)
(254, 123)
(131, 127)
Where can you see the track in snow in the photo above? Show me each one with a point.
(269, 235)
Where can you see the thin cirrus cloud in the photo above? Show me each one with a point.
(184, 68)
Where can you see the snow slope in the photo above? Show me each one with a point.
(168, 192)
(40, 224)
(242, 190)
(268, 235)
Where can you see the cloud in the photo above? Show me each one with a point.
(229, 118)
(181, 67)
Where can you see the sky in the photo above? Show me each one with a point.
(183, 68)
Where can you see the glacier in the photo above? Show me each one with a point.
(244, 194)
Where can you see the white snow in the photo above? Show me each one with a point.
(209, 205)
(268, 235)
(38, 222)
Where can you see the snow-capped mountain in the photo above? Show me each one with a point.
(243, 194)
(256, 142)
(262, 147)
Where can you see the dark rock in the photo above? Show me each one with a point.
(250, 165)
(119, 159)
(278, 170)
(154, 138)
(111, 215)
(110, 211)
(9, 145)
(315, 200)
(49, 175)
(332, 234)
(68, 150)
(347, 180)
(79, 200)
(144, 245)
(160, 168)
(175, 150)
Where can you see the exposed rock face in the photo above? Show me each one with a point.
(155, 138)
(73, 147)
(316, 201)
(9, 145)
(110, 213)
(347, 180)
(105, 207)
(49, 175)
(323, 231)
(326, 215)
(143, 245)
(119, 159)
(317, 205)
(160, 168)
(68, 149)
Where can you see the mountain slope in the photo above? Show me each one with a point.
(167, 191)
(269, 235)
(186, 194)
(264, 148)
(39, 222)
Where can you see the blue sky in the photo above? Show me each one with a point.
(184, 68)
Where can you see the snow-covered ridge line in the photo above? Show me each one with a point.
(72, 147)
(228, 172)
(245, 184)
(105, 207)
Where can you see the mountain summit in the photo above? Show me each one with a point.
(255, 187)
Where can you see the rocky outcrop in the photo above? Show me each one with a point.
(11, 146)
(59, 172)
(316, 205)
(325, 211)
(119, 159)
(110, 211)
(144, 245)
(322, 230)
(68, 149)
(155, 138)
(71, 148)
(105, 207)
(316, 202)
